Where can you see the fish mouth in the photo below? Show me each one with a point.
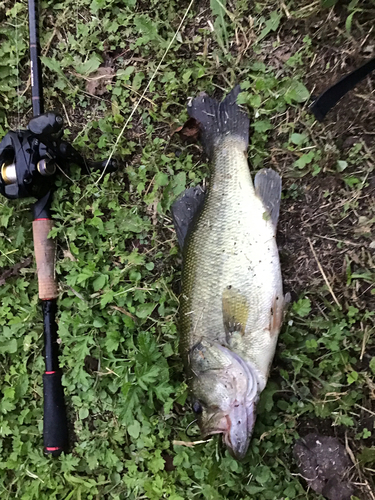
(241, 421)
(230, 407)
(236, 426)
(236, 423)
(242, 414)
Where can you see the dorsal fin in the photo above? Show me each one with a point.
(267, 185)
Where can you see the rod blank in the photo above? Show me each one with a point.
(35, 64)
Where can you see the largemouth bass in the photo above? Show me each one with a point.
(232, 301)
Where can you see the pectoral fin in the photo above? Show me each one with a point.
(235, 311)
(185, 210)
(267, 184)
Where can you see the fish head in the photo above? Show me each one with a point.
(225, 392)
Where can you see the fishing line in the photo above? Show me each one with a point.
(188, 427)
(146, 89)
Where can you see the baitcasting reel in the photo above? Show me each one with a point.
(29, 158)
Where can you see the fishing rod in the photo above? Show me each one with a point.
(28, 168)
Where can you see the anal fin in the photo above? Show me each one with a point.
(277, 314)
(267, 185)
(185, 210)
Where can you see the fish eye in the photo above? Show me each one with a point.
(197, 407)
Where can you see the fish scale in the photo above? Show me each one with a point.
(232, 244)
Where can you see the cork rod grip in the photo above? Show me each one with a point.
(45, 254)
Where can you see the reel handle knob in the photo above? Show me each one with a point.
(109, 166)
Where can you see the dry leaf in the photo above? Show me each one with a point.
(190, 130)
(97, 82)
(68, 255)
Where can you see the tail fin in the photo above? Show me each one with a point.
(218, 120)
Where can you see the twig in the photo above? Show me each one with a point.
(287, 13)
(347, 242)
(109, 372)
(48, 44)
(323, 274)
(5, 254)
(77, 294)
(149, 186)
(123, 311)
(349, 451)
(364, 409)
(66, 114)
(190, 444)
(13, 271)
(365, 339)
(356, 465)
(106, 76)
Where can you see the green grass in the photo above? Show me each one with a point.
(119, 264)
